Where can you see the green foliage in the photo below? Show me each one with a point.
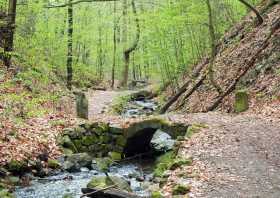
(163, 163)
(173, 38)
(119, 103)
(194, 128)
(180, 190)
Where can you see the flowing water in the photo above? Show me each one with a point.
(71, 183)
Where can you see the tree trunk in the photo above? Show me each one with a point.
(70, 46)
(127, 52)
(114, 46)
(213, 48)
(248, 5)
(9, 40)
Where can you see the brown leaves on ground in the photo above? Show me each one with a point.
(25, 138)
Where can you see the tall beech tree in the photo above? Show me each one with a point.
(8, 32)
(70, 46)
(128, 51)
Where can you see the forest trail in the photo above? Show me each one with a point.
(99, 101)
(235, 156)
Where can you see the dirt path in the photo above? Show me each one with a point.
(236, 156)
(99, 101)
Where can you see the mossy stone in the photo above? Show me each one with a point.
(67, 143)
(121, 141)
(78, 144)
(68, 196)
(54, 164)
(16, 166)
(179, 162)
(194, 128)
(163, 163)
(102, 164)
(99, 182)
(104, 138)
(241, 102)
(80, 130)
(13, 180)
(180, 190)
(115, 156)
(156, 194)
(67, 151)
(81, 105)
(6, 194)
(120, 182)
(89, 140)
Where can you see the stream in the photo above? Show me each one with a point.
(71, 183)
(137, 172)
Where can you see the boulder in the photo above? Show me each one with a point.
(101, 164)
(162, 142)
(115, 156)
(81, 105)
(6, 194)
(121, 183)
(14, 180)
(241, 102)
(66, 142)
(54, 164)
(76, 161)
(100, 182)
(17, 167)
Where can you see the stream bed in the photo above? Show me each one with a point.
(66, 183)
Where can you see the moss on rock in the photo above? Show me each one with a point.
(54, 164)
(98, 182)
(6, 194)
(156, 194)
(178, 162)
(102, 164)
(241, 102)
(163, 163)
(17, 166)
(89, 140)
(180, 190)
(115, 156)
(67, 143)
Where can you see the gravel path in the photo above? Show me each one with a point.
(235, 156)
(99, 101)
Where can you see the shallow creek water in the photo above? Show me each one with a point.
(59, 185)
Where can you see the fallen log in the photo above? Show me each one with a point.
(184, 88)
(107, 193)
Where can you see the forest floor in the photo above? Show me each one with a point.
(234, 156)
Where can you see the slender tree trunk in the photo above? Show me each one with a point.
(134, 45)
(70, 46)
(114, 46)
(248, 5)
(9, 41)
(213, 48)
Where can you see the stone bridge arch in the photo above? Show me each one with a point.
(139, 134)
(101, 138)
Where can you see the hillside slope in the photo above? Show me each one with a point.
(246, 49)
